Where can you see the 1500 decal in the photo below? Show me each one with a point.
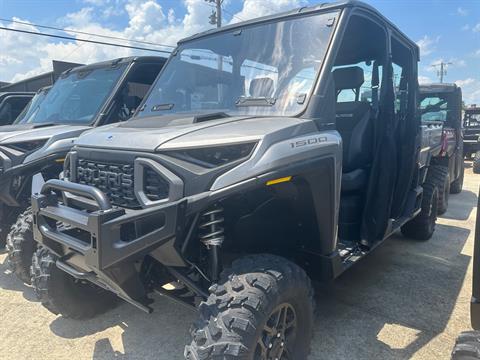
(309, 141)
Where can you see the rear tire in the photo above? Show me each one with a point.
(467, 346)
(261, 308)
(476, 163)
(457, 186)
(439, 176)
(21, 246)
(422, 226)
(62, 294)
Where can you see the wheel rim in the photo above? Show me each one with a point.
(278, 335)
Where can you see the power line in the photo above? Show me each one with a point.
(84, 40)
(85, 33)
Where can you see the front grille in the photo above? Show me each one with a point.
(115, 180)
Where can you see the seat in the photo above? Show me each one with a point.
(353, 122)
(353, 119)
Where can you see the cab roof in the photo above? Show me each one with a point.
(125, 60)
(340, 5)
(438, 88)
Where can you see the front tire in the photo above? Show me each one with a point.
(467, 346)
(21, 246)
(262, 308)
(422, 226)
(62, 294)
(457, 186)
(476, 163)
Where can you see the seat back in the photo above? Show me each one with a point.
(353, 120)
(261, 87)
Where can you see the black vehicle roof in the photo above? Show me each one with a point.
(118, 61)
(20, 93)
(307, 10)
(473, 110)
(438, 88)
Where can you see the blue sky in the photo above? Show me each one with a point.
(445, 30)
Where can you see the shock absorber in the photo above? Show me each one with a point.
(212, 236)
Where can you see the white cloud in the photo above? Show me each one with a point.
(476, 28)
(112, 11)
(462, 12)
(465, 82)
(427, 45)
(470, 90)
(424, 79)
(473, 97)
(94, 2)
(28, 55)
(254, 8)
(477, 53)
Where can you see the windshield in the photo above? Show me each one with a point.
(434, 108)
(266, 69)
(31, 106)
(76, 98)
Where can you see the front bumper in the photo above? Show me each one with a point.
(89, 217)
(101, 243)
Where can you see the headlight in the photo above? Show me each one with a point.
(27, 146)
(214, 156)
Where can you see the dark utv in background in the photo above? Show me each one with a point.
(441, 107)
(33, 150)
(257, 142)
(471, 136)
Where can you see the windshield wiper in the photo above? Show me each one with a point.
(255, 101)
(38, 125)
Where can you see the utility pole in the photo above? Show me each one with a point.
(216, 16)
(443, 69)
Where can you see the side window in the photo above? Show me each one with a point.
(433, 108)
(132, 92)
(402, 77)
(365, 91)
(11, 107)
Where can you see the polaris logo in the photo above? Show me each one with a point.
(106, 178)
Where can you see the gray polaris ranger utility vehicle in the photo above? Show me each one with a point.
(254, 165)
(33, 150)
(441, 108)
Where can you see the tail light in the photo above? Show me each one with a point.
(448, 134)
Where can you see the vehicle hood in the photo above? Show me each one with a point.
(173, 132)
(27, 132)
